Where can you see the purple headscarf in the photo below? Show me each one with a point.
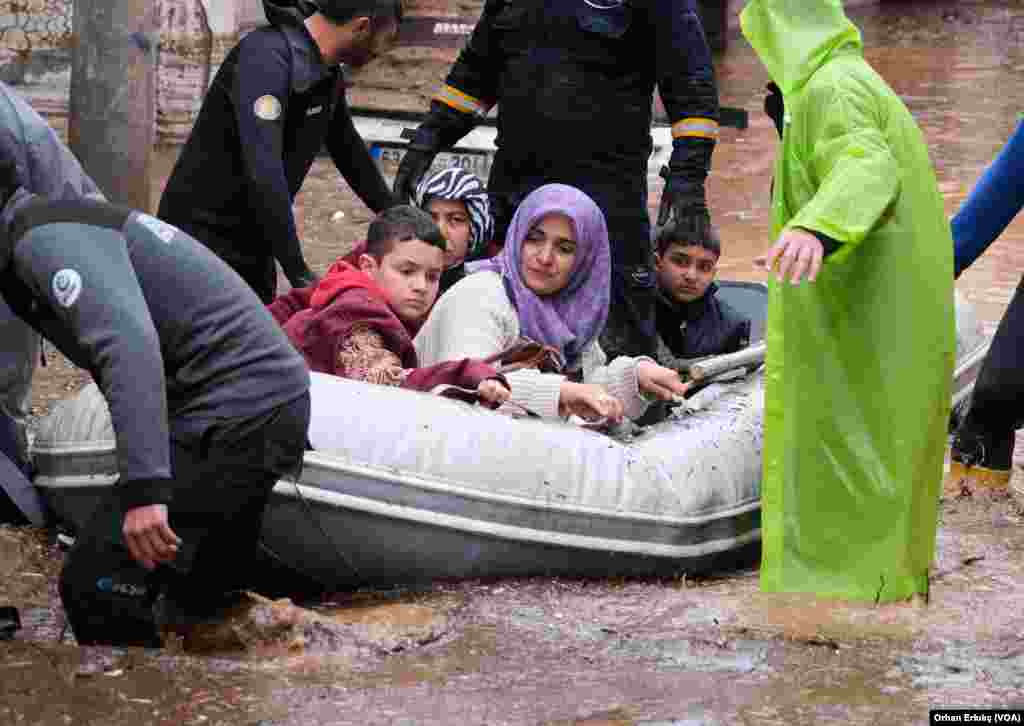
(571, 318)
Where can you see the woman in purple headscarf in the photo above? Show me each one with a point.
(550, 284)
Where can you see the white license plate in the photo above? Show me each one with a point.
(477, 162)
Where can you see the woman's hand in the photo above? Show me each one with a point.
(659, 381)
(589, 401)
(493, 392)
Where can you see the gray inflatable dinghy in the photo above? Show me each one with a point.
(404, 486)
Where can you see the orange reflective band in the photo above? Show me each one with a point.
(451, 96)
(704, 128)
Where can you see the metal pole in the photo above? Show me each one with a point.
(112, 111)
(748, 357)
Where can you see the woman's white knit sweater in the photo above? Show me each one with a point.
(475, 319)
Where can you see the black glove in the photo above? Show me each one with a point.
(683, 195)
(774, 106)
(442, 128)
(682, 201)
(414, 165)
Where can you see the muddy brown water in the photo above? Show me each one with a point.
(602, 653)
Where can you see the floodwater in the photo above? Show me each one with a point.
(957, 65)
(601, 653)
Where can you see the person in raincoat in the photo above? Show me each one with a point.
(861, 332)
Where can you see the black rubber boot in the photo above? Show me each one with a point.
(979, 462)
(982, 451)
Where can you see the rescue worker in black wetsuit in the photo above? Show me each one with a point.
(574, 82)
(50, 170)
(208, 399)
(276, 100)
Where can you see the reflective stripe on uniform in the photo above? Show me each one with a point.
(704, 128)
(451, 96)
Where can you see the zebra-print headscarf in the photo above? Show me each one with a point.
(461, 186)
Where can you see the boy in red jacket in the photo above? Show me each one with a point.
(359, 321)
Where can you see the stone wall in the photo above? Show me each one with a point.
(35, 55)
(184, 65)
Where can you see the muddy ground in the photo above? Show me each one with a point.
(604, 652)
(550, 651)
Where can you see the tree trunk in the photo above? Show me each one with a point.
(112, 111)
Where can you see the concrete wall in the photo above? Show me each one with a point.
(35, 55)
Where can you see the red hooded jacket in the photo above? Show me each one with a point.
(318, 320)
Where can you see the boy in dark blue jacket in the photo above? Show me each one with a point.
(692, 322)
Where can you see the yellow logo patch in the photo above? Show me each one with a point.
(267, 108)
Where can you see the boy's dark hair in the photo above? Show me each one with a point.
(678, 232)
(379, 11)
(401, 224)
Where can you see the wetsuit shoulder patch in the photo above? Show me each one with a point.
(66, 286)
(267, 108)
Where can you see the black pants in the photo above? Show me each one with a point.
(221, 486)
(9, 448)
(986, 434)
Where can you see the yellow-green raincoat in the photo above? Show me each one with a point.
(860, 362)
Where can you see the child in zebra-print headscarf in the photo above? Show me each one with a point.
(457, 201)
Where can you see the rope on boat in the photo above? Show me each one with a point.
(327, 535)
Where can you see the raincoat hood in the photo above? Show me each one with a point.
(794, 38)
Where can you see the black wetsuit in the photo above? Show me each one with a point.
(271, 108)
(45, 167)
(208, 399)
